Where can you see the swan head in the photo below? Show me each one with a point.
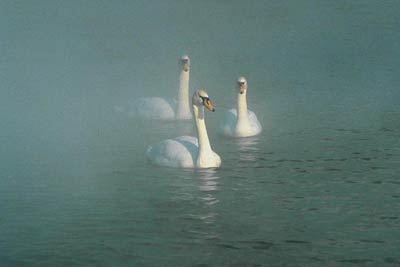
(185, 61)
(242, 85)
(200, 98)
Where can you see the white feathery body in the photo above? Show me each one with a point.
(240, 122)
(187, 151)
(159, 108)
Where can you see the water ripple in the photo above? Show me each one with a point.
(257, 244)
(356, 261)
(371, 241)
(297, 242)
(228, 246)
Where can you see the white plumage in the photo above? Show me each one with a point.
(240, 122)
(159, 108)
(228, 128)
(156, 108)
(179, 152)
(188, 151)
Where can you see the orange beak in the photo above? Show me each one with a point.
(209, 105)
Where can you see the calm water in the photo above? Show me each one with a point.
(319, 187)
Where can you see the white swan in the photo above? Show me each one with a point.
(240, 122)
(167, 108)
(188, 151)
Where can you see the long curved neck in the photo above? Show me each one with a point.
(242, 115)
(204, 142)
(183, 109)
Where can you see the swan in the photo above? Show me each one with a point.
(188, 151)
(167, 108)
(240, 122)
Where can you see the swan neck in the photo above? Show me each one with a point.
(242, 114)
(204, 142)
(183, 108)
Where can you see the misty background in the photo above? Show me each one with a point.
(64, 65)
(323, 80)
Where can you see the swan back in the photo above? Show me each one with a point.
(179, 152)
(155, 108)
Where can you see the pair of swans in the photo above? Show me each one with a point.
(188, 151)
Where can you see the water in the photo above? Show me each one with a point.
(319, 186)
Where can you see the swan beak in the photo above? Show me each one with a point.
(185, 65)
(208, 105)
(242, 88)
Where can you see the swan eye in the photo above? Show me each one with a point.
(205, 99)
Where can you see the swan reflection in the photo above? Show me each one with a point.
(247, 148)
(195, 190)
(208, 179)
(196, 183)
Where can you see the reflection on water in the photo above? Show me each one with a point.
(248, 143)
(208, 179)
(208, 185)
(190, 185)
(247, 148)
(195, 201)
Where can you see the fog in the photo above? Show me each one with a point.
(66, 65)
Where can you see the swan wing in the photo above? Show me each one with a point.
(230, 120)
(255, 125)
(228, 123)
(179, 152)
(153, 108)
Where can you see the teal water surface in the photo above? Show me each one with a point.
(318, 187)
